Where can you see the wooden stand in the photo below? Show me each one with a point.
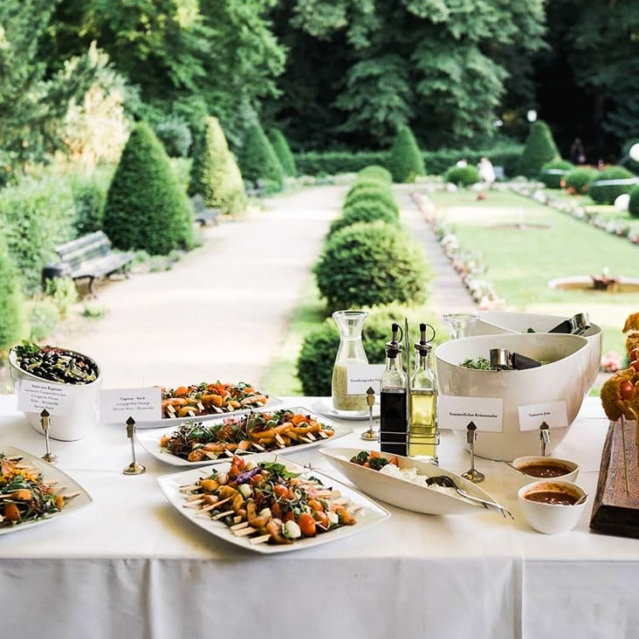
(616, 509)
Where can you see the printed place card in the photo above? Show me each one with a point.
(455, 413)
(143, 404)
(553, 413)
(34, 397)
(360, 378)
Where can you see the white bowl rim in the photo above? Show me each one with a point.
(553, 461)
(575, 488)
(484, 317)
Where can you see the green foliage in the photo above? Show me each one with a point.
(145, 208)
(63, 293)
(43, 316)
(540, 148)
(36, 216)
(607, 193)
(580, 179)
(369, 265)
(336, 162)
(406, 161)
(378, 194)
(377, 173)
(283, 152)
(317, 355)
(633, 205)
(462, 175)
(257, 158)
(214, 172)
(553, 173)
(364, 211)
(176, 137)
(89, 196)
(181, 169)
(11, 301)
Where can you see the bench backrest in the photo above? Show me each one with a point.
(84, 248)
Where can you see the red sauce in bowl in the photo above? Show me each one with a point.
(544, 470)
(552, 497)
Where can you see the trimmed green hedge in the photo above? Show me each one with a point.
(364, 211)
(578, 180)
(553, 173)
(633, 206)
(12, 319)
(377, 194)
(539, 149)
(376, 173)
(406, 162)
(258, 160)
(462, 175)
(369, 265)
(607, 193)
(283, 152)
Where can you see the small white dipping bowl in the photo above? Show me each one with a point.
(563, 379)
(569, 469)
(551, 519)
(70, 427)
(504, 321)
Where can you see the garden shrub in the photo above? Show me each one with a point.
(462, 175)
(43, 316)
(375, 172)
(578, 180)
(12, 322)
(364, 211)
(283, 152)
(181, 169)
(607, 193)
(36, 216)
(375, 194)
(633, 205)
(89, 196)
(406, 162)
(335, 162)
(371, 264)
(63, 293)
(625, 150)
(145, 207)
(215, 174)
(539, 149)
(554, 173)
(364, 184)
(176, 137)
(319, 348)
(258, 160)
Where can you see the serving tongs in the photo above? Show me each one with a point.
(576, 325)
(449, 482)
(503, 360)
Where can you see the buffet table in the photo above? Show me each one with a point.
(129, 565)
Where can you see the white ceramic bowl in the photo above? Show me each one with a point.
(564, 379)
(551, 519)
(80, 421)
(507, 322)
(569, 469)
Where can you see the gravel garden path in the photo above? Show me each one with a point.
(222, 310)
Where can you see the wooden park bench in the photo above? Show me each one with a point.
(90, 257)
(202, 214)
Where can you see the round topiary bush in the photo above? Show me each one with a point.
(554, 173)
(633, 205)
(406, 162)
(603, 193)
(214, 172)
(317, 355)
(539, 149)
(258, 160)
(145, 208)
(375, 172)
(578, 180)
(371, 264)
(283, 152)
(364, 211)
(378, 194)
(12, 316)
(462, 175)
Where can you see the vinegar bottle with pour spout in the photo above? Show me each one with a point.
(393, 428)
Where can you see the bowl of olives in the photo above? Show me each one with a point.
(56, 366)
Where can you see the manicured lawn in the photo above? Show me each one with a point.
(520, 263)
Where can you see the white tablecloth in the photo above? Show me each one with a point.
(129, 565)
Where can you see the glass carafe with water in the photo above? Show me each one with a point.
(350, 353)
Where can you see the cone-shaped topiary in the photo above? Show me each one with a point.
(539, 149)
(258, 160)
(283, 152)
(145, 208)
(371, 264)
(12, 318)
(214, 172)
(405, 161)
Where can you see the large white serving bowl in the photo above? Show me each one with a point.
(84, 416)
(564, 379)
(507, 322)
